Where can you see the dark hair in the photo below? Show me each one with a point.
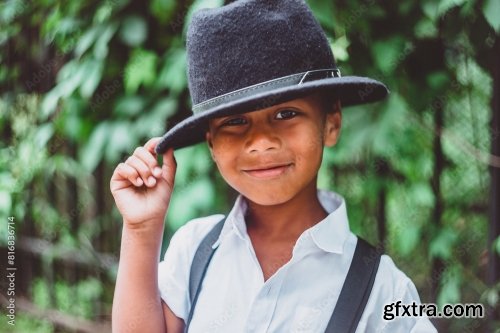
(327, 100)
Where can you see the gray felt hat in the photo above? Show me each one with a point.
(252, 54)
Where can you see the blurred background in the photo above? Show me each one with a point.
(82, 83)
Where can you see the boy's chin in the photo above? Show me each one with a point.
(268, 199)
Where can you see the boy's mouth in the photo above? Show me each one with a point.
(267, 171)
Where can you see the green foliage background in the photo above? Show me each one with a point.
(85, 82)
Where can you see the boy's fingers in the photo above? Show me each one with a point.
(124, 171)
(151, 144)
(143, 170)
(169, 157)
(143, 154)
(169, 166)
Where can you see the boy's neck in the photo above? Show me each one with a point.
(286, 220)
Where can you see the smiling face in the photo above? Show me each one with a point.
(271, 155)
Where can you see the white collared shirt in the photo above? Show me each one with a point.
(299, 297)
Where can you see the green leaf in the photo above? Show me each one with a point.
(70, 77)
(491, 11)
(323, 11)
(5, 204)
(389, 53)
(164, 108)
(199, 191)
(10, 10)
(101, 45)
(425, 28)
(71, 122)
(64, 303)
(6, 181)
(339, 48)
(496, 245)
(421, 194)
(141, 69)
(93, 150)
(134, 31)
(49, 102)
(430, 8)
(450, 287)
(445, 5)
(51, 23)
(162, 9)
(442, 245)
(43, 134)
(152, 121)
(104, 12)
(67, 166)
(202, 160)
(129, 106)
(94, 69)
(199, 4)
(41, 293)
(173, 73)
(86, 40)
(121, 140)
(183, 157)
(438, 80)
(408, 238)
(389, 126)
(491, 296)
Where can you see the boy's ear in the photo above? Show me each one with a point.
(333, 123)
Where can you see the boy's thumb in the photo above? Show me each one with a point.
(169, 163)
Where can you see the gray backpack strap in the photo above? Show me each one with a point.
(356, 289)
(199, 266)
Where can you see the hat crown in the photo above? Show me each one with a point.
(252, 41)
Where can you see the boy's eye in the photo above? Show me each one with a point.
(286, 114)
(233, 122)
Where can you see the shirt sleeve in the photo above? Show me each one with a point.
(173, 271)
(173, 274)
(412, 324)
(391, 286)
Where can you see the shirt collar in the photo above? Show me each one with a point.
(329, 234)
(235, 221)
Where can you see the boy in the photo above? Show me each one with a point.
(266, 98)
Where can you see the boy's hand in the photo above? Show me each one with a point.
(141, 188)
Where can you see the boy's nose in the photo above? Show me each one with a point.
(261, 138)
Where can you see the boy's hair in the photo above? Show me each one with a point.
(328, 101)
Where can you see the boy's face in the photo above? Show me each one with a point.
(271, 155)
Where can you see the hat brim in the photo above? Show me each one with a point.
(350, 90)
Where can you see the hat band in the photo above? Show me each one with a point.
(282, 82)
